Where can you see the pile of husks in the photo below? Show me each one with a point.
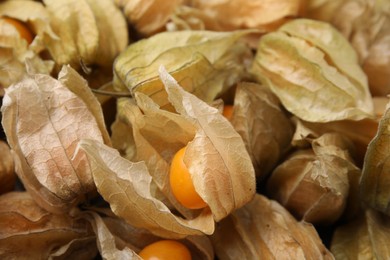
(100, 96)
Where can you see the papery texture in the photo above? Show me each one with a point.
(23, 224)
(7, 169)
(375, 178)
(263, 124)
(148, 17)
(366, 24)
(88, 33)
(14, 50)
(234, 15)
(263, 229)
(205, 63)
(43, 121)
(127, 187)
(306, 63)
(364, 238)
(316, 184)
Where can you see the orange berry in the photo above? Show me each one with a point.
(165, 250)
(181, 183)
(21, 27)
(228, 111)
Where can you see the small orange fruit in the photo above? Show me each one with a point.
(165, 250)
(181, 183)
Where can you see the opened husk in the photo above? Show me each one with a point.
(7, 169)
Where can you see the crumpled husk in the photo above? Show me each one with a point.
(263, 124)
(148, 17)
(263, 229)
(366, 24)
(216, 157)
(116, 239)
(375, 178)
(7, 170)
(24, 225)
(235, 15)
(365, 238)
(318, 185)
(88, 32)
(205, 63)
(306, 63)
(14, 50)
(44, 119)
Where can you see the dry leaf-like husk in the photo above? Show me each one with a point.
(150, 16)
(365, 238)
(24, 225)
(366, 24)
(205, 63)
(263, 125)
(89, 32)
(263, 229)
(316, 184)
(306, 63)
(126, 186)
(14, 50)
(235, 15)
(7, 171)
(43, 121)
(375, 178)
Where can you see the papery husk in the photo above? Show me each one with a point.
(365, 238)
(263, 229)
(43, 121)
(318, 185)
(7, 170)
(148, 17)
(306, 63)
(14, 50)
(223, 175)
(126, 186)
(235, 15)
(88, 32)
(116, 239)
(205, 63)
(263, 125)
(366, 24)
(29, 232)
(375, 178)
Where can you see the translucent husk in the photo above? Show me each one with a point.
(364, 238)
(148, 17)
(318, 184)
(205, 63)
(375, 178)
(24, 225)
(366, 24)
(14, 50)
(87, 32)
(43, 119)
(263, 125)
(306, 63)
(263, 229)
(222, 175)
(212, 15)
